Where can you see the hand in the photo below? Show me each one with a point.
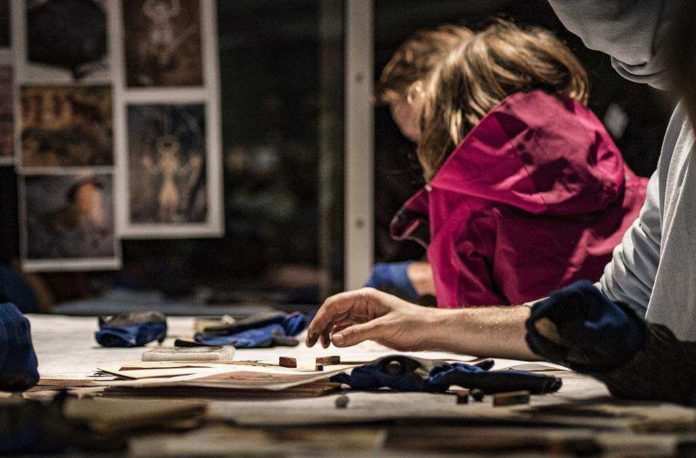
(580, 327)
(368, 314)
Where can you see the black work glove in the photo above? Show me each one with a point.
(579, 327)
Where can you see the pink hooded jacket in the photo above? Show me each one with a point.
(535, 197)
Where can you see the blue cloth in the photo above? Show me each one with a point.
(131, 335)
(265, 335)
(14, 289)
(596, 333)
(392, 277)
(18, 363)
(412, 377)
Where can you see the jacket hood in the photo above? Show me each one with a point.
(537, 152)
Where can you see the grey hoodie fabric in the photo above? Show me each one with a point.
(653, 270)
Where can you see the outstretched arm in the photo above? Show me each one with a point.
(367, 314)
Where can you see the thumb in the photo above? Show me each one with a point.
(352, 335)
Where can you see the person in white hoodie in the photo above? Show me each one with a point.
(652, 271)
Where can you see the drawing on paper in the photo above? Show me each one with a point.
(167, 164)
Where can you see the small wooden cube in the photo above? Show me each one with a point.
(286, 361)
(512, 398)
(328, 360)
(462, 396)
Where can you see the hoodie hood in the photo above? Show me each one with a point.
(540, 153)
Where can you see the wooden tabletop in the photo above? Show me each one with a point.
(581, 410)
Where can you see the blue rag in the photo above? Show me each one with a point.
(413, 378)
(262, 336)
(596, 334)
(131, 329)
(18, 364)
(392, 277)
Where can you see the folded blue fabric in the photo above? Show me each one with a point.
(410, 376)
(596, 333)
(18, 364)
(131, 330)
(267, 334)
(392, 277)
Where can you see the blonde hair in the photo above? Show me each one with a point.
(480, 73)
(416, 58)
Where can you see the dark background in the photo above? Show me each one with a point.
(281, 91)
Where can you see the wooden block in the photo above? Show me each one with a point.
(511, 399)
(328, 360)
(286, 361)
(462, 395)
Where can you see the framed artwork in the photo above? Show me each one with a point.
(64, 127)
(170, 162)
(169, 167)
(162, 43)
(62, 41)
(67, 222)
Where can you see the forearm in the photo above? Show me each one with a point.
(482, 331)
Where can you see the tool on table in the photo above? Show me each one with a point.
(259, 331)
(212, 324)
(131, 329)
(193, 354)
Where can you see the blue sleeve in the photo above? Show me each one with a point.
(18, 364)
(632, 32)
(630, 275)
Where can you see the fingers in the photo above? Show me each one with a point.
(352, 335)
(344, 306)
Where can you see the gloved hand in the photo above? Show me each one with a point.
(18, 364)
(579, 327)
(131, 329)
(392, 277)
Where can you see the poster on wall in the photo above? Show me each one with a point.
(168, 188)
(62, 40)
(162, 43)
(6, 115)
(67, 222)
(65, 126)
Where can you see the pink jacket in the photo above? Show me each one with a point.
(535, 197)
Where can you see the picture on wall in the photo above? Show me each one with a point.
(6, 115)
(163, 44)
(68, 222)
(5, 21)
(66, 126)
(65, 40)
(167, 165)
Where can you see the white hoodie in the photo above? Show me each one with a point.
(654, 269)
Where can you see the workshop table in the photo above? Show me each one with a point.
(396, 424)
